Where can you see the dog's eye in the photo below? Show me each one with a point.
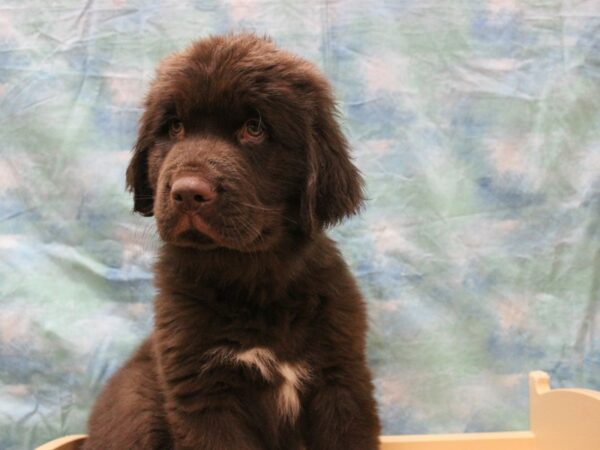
(254, 128)
(176, 129)
(252, 131)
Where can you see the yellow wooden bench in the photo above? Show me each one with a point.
(560, 419)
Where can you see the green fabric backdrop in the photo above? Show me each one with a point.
(475, 123)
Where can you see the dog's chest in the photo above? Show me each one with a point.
(287, 379)
(261, 353)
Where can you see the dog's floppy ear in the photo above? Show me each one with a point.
(334, 186)
(138, 181)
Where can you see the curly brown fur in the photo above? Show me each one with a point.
(259, 338)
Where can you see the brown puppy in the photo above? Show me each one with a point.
(259, 339)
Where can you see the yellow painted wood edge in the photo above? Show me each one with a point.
(539, 384)
(479, 437)
(65, 443)
(513, 440)
(519, 440)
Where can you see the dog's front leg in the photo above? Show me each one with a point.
(343, 417)
(212, 430)
(201, 389)
(204, 412)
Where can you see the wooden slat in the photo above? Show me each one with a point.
(73, 442)
(563, 418)
(522, 440)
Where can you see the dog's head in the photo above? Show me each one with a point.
(239, 145)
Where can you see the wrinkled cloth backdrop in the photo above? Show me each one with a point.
(475, 123)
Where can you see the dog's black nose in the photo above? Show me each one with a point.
(189, 192)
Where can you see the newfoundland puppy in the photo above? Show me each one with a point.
(259, 336)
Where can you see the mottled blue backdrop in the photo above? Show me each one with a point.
(475, 123)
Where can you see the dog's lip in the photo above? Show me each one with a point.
(189, 223)
(193, 221)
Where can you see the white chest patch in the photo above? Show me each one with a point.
(260, 358)
(293, 375)
(288, 400)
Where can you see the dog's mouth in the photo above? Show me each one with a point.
(191, 229)
(194, 224)
(193, 238)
